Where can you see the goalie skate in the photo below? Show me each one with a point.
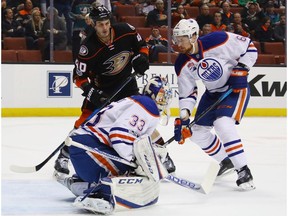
(61, 165)
(95, 205)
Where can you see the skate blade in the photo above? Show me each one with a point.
(247, 186)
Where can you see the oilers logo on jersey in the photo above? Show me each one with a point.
(209, 69)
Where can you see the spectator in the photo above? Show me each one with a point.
(33, 30)
(10, 26)
(156, 44)
(158, 16)
(218, 25)
(280, 29)
(146, 7)
(239, 27)
(3, 7)
(64, 8)
(25, 14)
(227, 15)
(204, 17)
(179, 14)
(264, 32)
(252, 16)
(59, 33)
(274, 17)
(206, 29)
(78, 12)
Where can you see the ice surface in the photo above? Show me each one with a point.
(28, 141)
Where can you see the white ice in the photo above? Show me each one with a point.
(28, 141)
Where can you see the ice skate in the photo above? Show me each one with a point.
(245, 179)
(226, 167)
(95, 205)
(169, 164)
(61, 164)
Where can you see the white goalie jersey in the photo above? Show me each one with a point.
(120, 123)
(218, 53)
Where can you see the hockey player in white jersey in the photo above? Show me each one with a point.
(221, 60)
(122, 129)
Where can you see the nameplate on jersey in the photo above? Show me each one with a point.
(209, 69)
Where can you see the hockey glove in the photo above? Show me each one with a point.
(238, 77)
(182, 130)
(94, 95)
(140, 63)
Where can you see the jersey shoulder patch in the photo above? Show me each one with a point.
(123, 28)
(146, 103)
(213, 40)
(180, 62)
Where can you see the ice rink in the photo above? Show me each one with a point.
(28, 141)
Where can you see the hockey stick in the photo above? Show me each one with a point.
(21, 169)
(220, 99)
(205, 187)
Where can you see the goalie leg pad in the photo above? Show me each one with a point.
(132, 192)
(148, 159)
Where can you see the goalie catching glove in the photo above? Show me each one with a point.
(238, 78)
(140, 63)
(94, 95)
(182, 130)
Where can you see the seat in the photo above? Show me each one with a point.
(193, 12)
(265, 59)
(14, 43)
(144, 32)
(8, 56)
(212, 10)
(63, 56)
(163, 57)
(29, 56)
(280, 59)
(136, 21)
(276, 48)
(236, 9)
(124, 10)
(164, 31)
(280, 11)
(258, 46)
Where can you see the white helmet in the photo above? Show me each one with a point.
(186, 27)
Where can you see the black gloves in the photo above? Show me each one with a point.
(140, 63)
(94, 95)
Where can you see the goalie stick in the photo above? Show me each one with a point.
(204, 187)
(21, 169)
(220, 99)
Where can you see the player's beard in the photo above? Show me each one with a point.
(185, 49)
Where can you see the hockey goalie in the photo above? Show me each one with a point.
(122, 130)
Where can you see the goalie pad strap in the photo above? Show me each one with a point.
(148, 160)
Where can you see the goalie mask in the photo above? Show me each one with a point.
(159, 90)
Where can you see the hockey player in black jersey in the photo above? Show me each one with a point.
(105, 61)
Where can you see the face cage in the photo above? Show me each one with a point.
(163, 98)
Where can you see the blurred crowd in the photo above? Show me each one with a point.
(261, 20)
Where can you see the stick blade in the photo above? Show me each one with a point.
(20, 169)
(210, 177)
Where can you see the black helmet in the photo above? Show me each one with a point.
(99, 13)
